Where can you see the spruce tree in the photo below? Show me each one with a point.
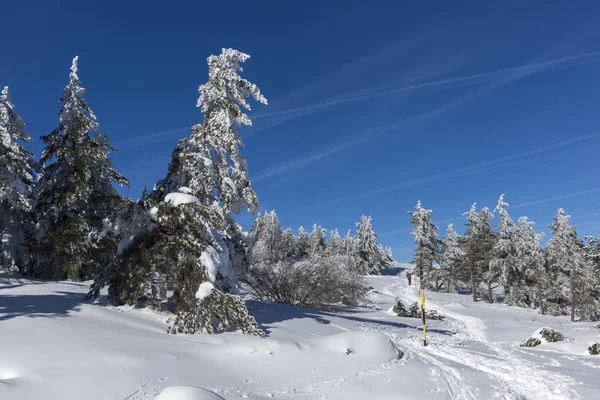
(366, 248)
(527, 271)
(16, 179)
(570, 271)
(425, 236)
(504, 260)
(303, 243)
(336, 244)
(451, 260)
(486, 241)
(476, 262)
(74, 193)
(189, 221)
(317, 242)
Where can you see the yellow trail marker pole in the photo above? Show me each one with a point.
(423, 315)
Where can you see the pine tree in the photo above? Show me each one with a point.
(451, 260)
(74, 193)
(527, 271)
(287, 244)
(570, 271)
(425, 236)
(348, 243)
(336, 244)
(386, 258)
(207, 181)
(504, 260)
(16, 179)
(593, 254)
(366, 248)
(486, 241)
(303, 243)
(317, 241)
(473, 267)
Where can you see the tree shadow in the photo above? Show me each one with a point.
(35, 306)
(270, 313)
(393, 271)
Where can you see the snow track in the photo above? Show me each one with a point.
(518, 378)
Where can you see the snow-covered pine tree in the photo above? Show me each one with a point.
(303, 243)
(386, 258)
(593, 253)
(570, 271)
(527, 269)
(348, 243)
(74, 194)
(451, 260)
(473, 268)
(503, 262)
(366, 248)
(16, 179)
(336, 244)
(317, 241)
(486, 240)
(425, 236)
(287, 246)
(207, 181)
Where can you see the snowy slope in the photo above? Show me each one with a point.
(55, 346)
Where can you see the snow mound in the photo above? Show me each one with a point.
(8, 374)
(370, 347)
(177, 199)
(186, 393)
(204, 290)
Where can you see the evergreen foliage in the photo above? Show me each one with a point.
(74, 194)
(16, 179)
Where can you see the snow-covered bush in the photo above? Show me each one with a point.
(546, 335)
(551, 336)
(414, 311)
(215, 312)
(594, 349)
(531, 342)
(318, 284)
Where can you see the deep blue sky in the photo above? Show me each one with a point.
(372, 105)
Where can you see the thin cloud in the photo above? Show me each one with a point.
(526, 69)
(469, 170)
(531, 203)
(150, 137)
(585, 216)
(512, 74)
(566, 196)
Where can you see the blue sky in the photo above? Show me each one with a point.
(372, 105)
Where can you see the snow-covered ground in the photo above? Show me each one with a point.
(53, 345)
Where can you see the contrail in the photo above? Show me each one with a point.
(299, 111)
(527, 69)
(472, 169)
(585, 216)
(517, 73)
(566, 196)
(532, 203)
(143, 138)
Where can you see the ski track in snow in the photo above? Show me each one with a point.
(518, 378)
(446, 355)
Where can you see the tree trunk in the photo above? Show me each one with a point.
(490, 293)
(574, 271)
(473, 289)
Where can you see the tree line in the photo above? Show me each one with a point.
(560, 278)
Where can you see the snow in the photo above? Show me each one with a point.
(177, 199)
(204, 290)
(56, 346)
(186, 393)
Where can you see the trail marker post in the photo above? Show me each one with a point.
(423, 315)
